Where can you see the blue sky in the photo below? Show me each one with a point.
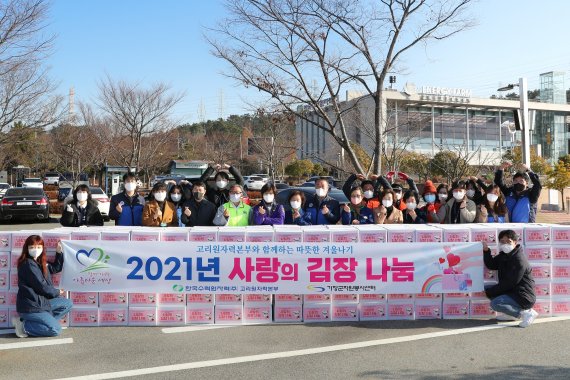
(161, 41)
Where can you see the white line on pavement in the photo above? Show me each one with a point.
(174, 330)
(309, 351)
(35, 343)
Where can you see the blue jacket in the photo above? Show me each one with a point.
(364, 217)
(132, 209)
(522, 207)
(313, 208)
(35, 290)
(303, 220)
(277, 215)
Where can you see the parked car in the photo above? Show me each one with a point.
(264, 177)
(51, 178)
(3, 187)
(280, 186)
(309, 192)
(33, 182)
(69, 179)
(253, 183)
(63, 192)
(103, 201)
(25, 203)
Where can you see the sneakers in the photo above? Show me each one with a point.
(505, 317)
(19, 327)
(527, 316)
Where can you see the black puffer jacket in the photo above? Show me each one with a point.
(515, 277)
(34, 289)
(74, 218)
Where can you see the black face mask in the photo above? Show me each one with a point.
(519, 187)
(198, 196)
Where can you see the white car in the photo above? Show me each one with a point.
(103, 201)
(253, 183)
(3, 187)
(264, 177)
(33, 182)
(51, 178)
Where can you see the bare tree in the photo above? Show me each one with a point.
(136, 113)
(305, 53)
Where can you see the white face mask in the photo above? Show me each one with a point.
(368, 194)
(221, 184)
(82, 196)
(160, 196)
(459, 195)
(235, 198)
(398, 196)
(442, 197)
(492, 197)
(387, 202)
(176, 197)
(321, 192)
(470, 193)
(268, 198)
(411, 205)
(130, 186)
(35, 252)
(506, 248)
(295, 205)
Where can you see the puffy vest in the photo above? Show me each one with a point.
(239, 216)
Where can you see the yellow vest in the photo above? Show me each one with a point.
(239, 216)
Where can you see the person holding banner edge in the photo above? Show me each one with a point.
(39, 304)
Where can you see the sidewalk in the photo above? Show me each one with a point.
(557, 217)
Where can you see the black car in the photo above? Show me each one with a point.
(309, 192)
(25, 203)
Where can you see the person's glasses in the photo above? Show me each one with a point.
(236, 193)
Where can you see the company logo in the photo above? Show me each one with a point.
(93, 260)
(318, 289)
(177, 288)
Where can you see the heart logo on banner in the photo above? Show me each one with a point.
(453, 260)
(100, 262)
(441, 260)
(447, 249)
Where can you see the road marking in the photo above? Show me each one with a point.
(308, 351)
(35, 343)
(174, 330)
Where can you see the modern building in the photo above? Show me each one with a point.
(429, 119)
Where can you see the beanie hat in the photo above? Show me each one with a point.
(429, 187)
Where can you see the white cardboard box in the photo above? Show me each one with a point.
(288, 312)
(373, 311)
(199, 313)
(142, 316)
(84, 316)
(113, 316)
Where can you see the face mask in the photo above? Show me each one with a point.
(519, 187)
(506, 248)
(411, 205)
(368, 194)
(198, 196)
(442, 197)
(398, 196)
(355, 200)
(235, 198)
(221, 184)
(492, 197)
(470, 193)
(176, 197)
(81, 196)
(130, 186)
(459, 195)
(35, 252)
(430, 198)
(295, 205)
(160, 196)
(268, 198)
(387, 203)
(321, 192)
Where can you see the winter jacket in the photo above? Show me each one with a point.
(466, 215)
(515, 277)
(276, 216)
(132, 209)
(169, 216)
(364, 215)
(314, 206)
(91, 216)
(393, 216)
(201, 213)
(522, 207)
(220, 196)
(34, 289)
(239, 216)
(490, 217)
(304, 218)
(371, 203)
(420, 217)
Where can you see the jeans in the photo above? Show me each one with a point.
(46, 323)
(507, 305)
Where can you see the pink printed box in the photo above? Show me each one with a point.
(543, 289)
(5, 320)
(316, 234)
(399, 234)
(317, 312)
(199, 314)
(228, 314)
(315, 298)
(115, 235)
(373, 311)
(142, 316)
(288, 313)
(228, 299)
(145, 235)
(345, 312)
(56, 279)
(536, 234)
(543, 307)
(288, 299)
(478, 296)
(372, 298)
(174, 234)
(171, 316)
(5, 241)
(4, 280)
(343, 234)
(541, 271)
(113, 298)
(257, 298)
(561, 252)
(428, 296)
(428, 309)
(13, 281)
(51, 238)
(143, 299)
(14, 256)
(88, 316)
(455, 296)
(517, 227)
(288, 234)
(7, 299)
(481, 309)
(400, 298)
(19, 238)
(233, 235)
(257, 313)
(538, 252)
(345, 298)
(558, 289)
(200, 299)
(203, 234)
(484, 232)
(371, 234)
(84, 298)
(560, 307)
(5, 260)
(560, 234)
(428, 234)
(259, 234)
(455, 234)
(171, 299)
(403, 310)
(561, 270)
(84, 235)
(115, 316)
(456, 309)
